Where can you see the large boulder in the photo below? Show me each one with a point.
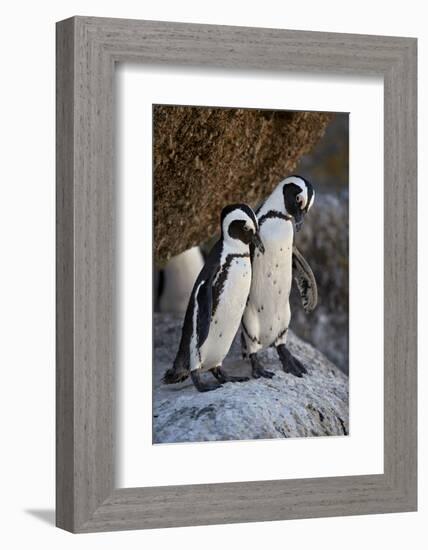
(324, 243)
(207, 158)
(285, 406)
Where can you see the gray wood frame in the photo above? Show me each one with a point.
(87, 50)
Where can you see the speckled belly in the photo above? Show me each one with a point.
(270, 301)
(268, 311)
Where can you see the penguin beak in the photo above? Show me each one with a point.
(258, 242)
(298, 220)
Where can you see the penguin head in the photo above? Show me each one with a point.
(298, 195)
(240, 227)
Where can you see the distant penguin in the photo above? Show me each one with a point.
(178, 278)
(217, 302)
(267, 315)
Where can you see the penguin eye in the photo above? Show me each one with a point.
(246, 228)
(299, 199)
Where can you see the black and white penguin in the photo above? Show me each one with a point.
(217, 302)
(267, 314)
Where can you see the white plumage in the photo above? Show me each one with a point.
(267, 314)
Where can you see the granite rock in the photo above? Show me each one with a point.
(281, 407)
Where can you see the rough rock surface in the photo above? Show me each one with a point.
(285, 406)
(207, 158)
(324, 243)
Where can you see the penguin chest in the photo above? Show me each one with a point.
(230, 292)
(271, 282)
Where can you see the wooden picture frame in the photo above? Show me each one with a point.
(87, 50)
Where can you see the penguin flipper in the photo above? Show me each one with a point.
(305, 281)
(201, 301)
(204, 300)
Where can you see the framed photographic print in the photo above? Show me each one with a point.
(236, 274)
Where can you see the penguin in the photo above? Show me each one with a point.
(267, 314)
(176, 280)
(217, 302)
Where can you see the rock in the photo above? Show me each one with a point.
(324, 243)
(207, 158)
(286, 406)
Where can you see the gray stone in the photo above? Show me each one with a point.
(285, 406)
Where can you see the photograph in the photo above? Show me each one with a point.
(210, 275)
(251, 274)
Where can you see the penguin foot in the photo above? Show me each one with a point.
(203, 386)
(290, 364)
(223, 377)
(257, 369)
